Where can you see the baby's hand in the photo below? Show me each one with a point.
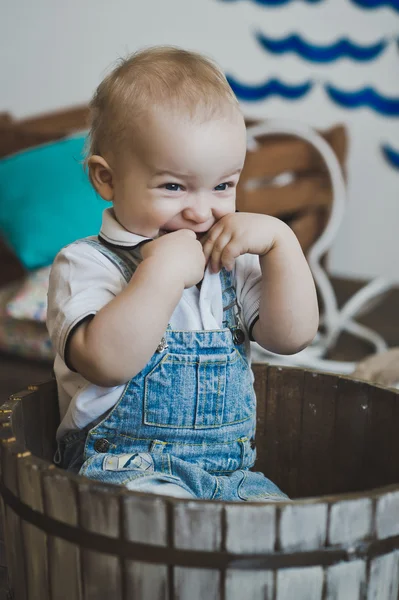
(180, 252)
(236, 234)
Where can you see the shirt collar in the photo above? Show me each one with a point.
(114, 234)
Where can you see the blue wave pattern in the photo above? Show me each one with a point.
(388, 107)
(272, 87)
(372, 4)
(276, 2)
(321, 54)
(391, 156)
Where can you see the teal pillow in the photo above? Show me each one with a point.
(47, 201)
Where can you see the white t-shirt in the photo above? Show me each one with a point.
(83, 280)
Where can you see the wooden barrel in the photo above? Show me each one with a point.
(330, 442)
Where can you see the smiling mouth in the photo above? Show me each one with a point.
(198, 234)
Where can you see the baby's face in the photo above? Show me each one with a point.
(182, 173)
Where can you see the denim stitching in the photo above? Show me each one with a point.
(216, 489)
(136, 439)
(171, 426)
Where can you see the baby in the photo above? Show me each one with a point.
(152, 319)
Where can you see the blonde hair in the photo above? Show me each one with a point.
(155, 77)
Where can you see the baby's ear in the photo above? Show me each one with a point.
(101, 177)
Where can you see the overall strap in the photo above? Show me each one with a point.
(126, 261)
(231, 310)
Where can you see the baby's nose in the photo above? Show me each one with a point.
(199, 210)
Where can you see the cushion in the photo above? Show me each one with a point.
(47, 201)
(30, 300)
(25, 338)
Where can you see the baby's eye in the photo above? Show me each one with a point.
(173, 187)
(222, 187)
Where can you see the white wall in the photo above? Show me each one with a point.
(54, 53)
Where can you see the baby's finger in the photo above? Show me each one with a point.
(217, 250)
(207, 245)
(228, 256)
(208, 241)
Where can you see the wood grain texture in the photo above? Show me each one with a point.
(29, 471)
(387, 515)
(382, 442)
(145, 520)
(301, 414)
(283, 427)
(301, 584)
(279, 153)
(384, 578)
(99, 512)
(60, 499)
(256, 585)
(346, 581)
(350, 521)
(197, 525)
(303, 193)
(49, 417)
(351, 417)
(260, 386)
(15, 548)
(317, 434)
(250, 529)
(303, 527)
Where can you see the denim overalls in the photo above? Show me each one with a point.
(185, 424)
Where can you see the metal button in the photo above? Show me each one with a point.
(238, 336)
(252, 443)
(101, 445)
(162, 345)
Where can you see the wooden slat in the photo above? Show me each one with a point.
(350, 521)
(64, 557)
(64, 120)
(317, 434)
(303, 527)
(395, 463)
(304, 193)
(254, 585)
(4, 588)
(32, 421)
(382, 440)
(49, 417)
(249, 530)
(15, 549)
(3, 559)
(197, 526)
(288, 153)
(21, 134)
(346, 581)
(350, 435)
(260, 386)
(384, 577)
(386, 515)
(17, 417)
(99, 512)
(145, 521)
(301, 584)
(35, 540)
(3, 562)
(283, 427)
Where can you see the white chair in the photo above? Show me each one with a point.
(333, 319)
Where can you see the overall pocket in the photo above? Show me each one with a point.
(197, 392)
